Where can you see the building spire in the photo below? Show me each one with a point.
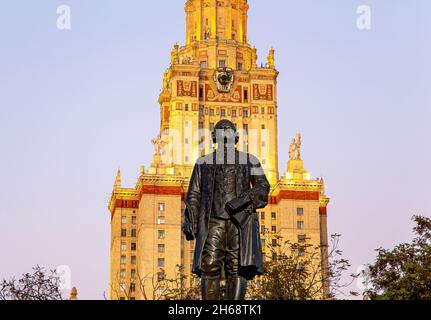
(211, 20)
(73, 294)
(117, 184)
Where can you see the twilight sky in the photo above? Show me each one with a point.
(76, 105)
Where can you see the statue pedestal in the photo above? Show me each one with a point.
(296, 171)
(295, 166)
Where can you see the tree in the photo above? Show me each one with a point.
(294, 271)
(160, 287)
(38, 285)
(403, 273)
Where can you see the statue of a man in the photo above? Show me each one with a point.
(175, 55)
(225, 190)
(254, 57)
(295, 148)
(158, 144)
(271, 59)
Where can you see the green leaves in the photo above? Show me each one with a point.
(403, 273)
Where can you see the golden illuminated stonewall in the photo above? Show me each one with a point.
(214, 76)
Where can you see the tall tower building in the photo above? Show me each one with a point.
(214, 76)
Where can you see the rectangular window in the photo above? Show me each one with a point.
(133, 246)
(212, 126)
(123, 220)
(204, 65)
(133, 220)
(302, 238)
(134, 233)
(162, 234)
(212, 112)
(123, 259)
(161, 263)
(239, 66)
(222, 64)
(223, 113)
(186, 140)
(133, 260)
(132, 287)
(162, 207)
(245, 129)
(274, 229)
(274, 242)
(263, 229)
(273, 215)
(245, 113)
(186, 107)
(123, 246)
(201, 113)
(234, 113)
(246, 95)
(262, 110)
(124, 232)
(262, 215)
(133, 274)
(161, 220)
(301, 252)
(123, 273)
(300, 225)
(300, 212)
(161, 248)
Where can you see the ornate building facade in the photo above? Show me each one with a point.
(214, 76)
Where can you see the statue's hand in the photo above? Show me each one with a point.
(238, 204)
(188, 231)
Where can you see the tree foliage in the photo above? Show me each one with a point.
(403, 273)
(38, 285)
(155, 288)
(294, 271)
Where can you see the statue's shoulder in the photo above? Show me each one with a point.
(208, 159)
(248, 158)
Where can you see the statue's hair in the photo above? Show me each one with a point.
(222, 125)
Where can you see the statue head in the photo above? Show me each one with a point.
(225, 131)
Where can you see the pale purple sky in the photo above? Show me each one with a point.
(76, 105)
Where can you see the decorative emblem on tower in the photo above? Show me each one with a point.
(224, 77)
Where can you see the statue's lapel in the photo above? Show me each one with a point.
(239, 173)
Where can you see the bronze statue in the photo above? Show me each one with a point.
(225, 190)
